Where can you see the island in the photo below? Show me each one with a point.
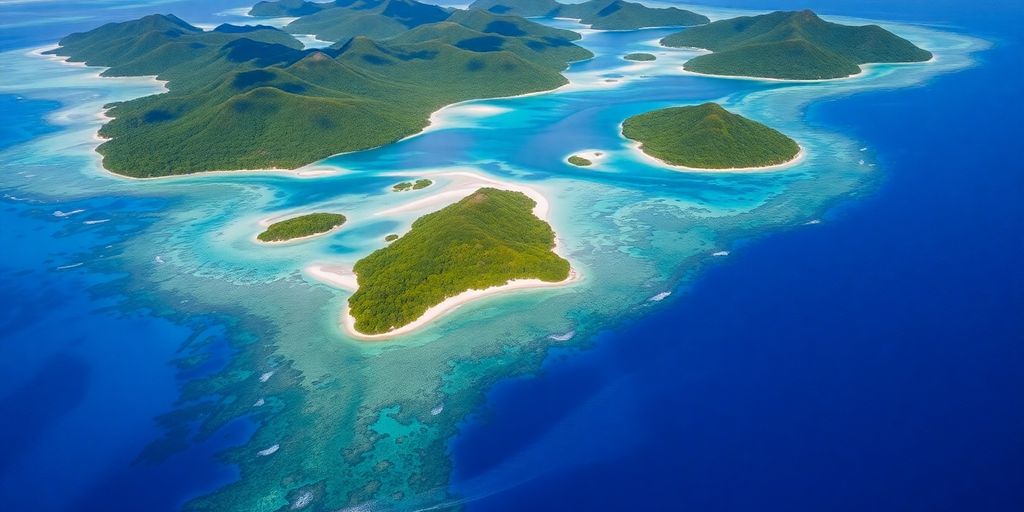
(708, 137)
(303, 226)
(791, 45)
(391, 238)
(599, 14)
(641, 57)
(579, 161)
(252, 98)
(411, 185)
(488, 239)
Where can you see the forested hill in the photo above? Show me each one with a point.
(791, 45)
(252, 98)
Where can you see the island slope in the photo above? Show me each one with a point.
(252, 98)
(791, 45)
(708, 137)
(487, 239)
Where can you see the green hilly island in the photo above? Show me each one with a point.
(301, 226)
(484, 240)
(599, 14)
(708, 137)
(253, 98)
(791, 45)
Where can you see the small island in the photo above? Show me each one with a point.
(391, 238)
(599, 14)
(708, 137)
(640, 57)
(792, 46)
(411, 185)
(303, 226)
(580, 161)
(485, 240)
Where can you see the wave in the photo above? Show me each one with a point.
(268, 451)
(562, 337)
(73, 265)
(659, 297)
(61, 214)
(97, 221)
(720, 253)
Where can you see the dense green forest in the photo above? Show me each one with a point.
(484, 240)
(579, 160)
(791, 45)
(376, 19)
(599, 14)
(708, 137)
(640, 57)
(252, 98)
(304, 225)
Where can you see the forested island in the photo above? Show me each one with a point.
(487, 239)
(301, 227)
(791, 45)
(599, 14)
(579, 161)
(411, 185)
(640, 57)
(708, 137)
(250, 97)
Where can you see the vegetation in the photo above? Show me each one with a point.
(253, 98)
(791, 45)
(286, 8)
(579, 160)
(402, 187)
(484, 240)
(409, 185)
(640, 57)
(708, 137)
(376, 19)
(421, 184)
(391, 238)
(599, 14)
(304, 225)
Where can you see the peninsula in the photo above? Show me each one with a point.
(599, 14)
(485, 240)
(252, 98)
(708, 137)
(791, 45)
(302, 226)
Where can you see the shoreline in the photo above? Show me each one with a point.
(299, 239)
(797, 159)
(444, 307)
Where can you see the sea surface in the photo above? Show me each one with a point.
(842, 335)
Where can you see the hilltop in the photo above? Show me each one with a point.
(708, 137)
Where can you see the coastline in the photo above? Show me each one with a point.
(444, 307)
(799, 157)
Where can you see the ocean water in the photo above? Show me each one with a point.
(856, 348)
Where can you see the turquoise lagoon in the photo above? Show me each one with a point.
(312, 418)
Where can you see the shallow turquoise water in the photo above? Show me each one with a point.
(335, 408)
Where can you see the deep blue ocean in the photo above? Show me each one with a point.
(872, 362)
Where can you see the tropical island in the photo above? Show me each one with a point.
(708, 137)
(303, 226)
(488, 239)
(411, 185)
(250, 97)
(599, 14)
(579, 161)
(640, 57)
(791, 45)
